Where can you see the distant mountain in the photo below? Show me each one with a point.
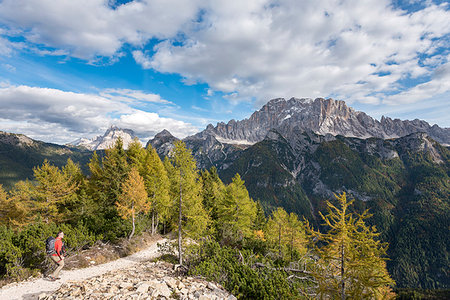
(19, 155)
(322, 116)
(107, 140)
(297, 153)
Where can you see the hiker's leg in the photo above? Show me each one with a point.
(60, 263)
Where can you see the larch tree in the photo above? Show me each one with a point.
(276, 231)
(352, 260)
(133, 198)
(136, 154)
(186, 193)
(213, 191)
(79, 203)
(286, 234)
(157, 185)
(236, 212)
(19, 206)
(52, 191)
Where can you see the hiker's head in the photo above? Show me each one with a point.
(60, 234)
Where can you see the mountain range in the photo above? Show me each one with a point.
(296, 153)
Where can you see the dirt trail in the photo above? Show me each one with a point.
(32, 289)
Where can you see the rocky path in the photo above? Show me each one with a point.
(32, 289)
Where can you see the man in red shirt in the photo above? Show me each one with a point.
(58, 256)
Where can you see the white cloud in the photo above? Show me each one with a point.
(353, 50)
(439, 84)
(308, 48)
(60, 116)
(91, 28)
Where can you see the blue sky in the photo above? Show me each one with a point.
(70, 69)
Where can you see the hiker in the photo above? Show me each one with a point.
(58, 256)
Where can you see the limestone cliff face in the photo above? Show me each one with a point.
(322, 116)
(220, 145)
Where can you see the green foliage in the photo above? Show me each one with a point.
(23, 251)
(352, 260)
(234, 269)
(236, 212)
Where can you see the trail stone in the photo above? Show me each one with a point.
(42, 296)
(143, 288)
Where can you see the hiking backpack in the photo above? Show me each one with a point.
(50, 245)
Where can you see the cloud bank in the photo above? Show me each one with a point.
(61, 116)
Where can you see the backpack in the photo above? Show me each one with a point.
(50, 245)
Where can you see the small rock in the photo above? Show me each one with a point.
(204, 297)
(42, 296)
(180, 285)
(126, 285)
(143, 288)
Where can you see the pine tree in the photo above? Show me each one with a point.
(133, 199)
(236, 212)
(352, 261)
(185, 190)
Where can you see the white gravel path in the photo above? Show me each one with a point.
(32, 289)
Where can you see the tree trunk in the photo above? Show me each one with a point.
(342, 273)
(132, 217)
(180, 251)
(153, 222)
(292, 243)
(279, 241)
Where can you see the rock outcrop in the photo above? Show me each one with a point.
(150, 280)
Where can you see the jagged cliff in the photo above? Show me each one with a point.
(322, 116)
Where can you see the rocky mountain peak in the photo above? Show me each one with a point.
(163, 142)
(107, 140)
(322, 116)
(15, 139)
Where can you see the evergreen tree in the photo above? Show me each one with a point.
(185, 190)
(352, 260)
(236, 212)
(133, 199)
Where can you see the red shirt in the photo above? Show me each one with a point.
(58, 247)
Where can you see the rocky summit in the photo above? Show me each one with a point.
(322, 116)
(150, 280)
(107, 140)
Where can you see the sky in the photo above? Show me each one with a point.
(71, 69)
